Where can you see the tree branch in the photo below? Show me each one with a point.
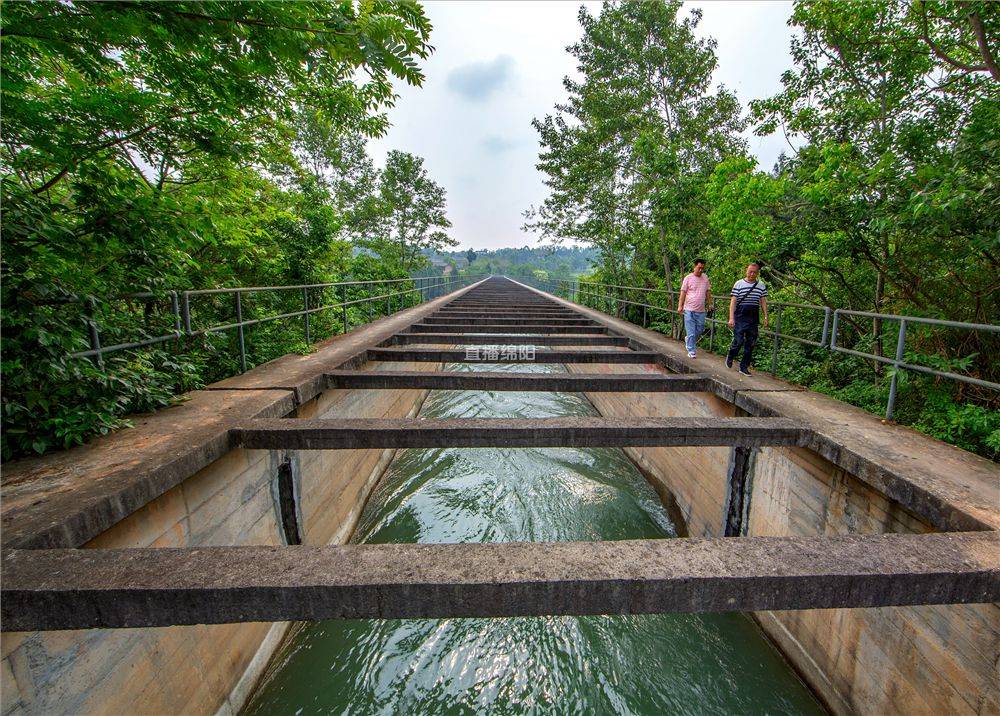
(984, 49)
(100, 148)
(941, 54)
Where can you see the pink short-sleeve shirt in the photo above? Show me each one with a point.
(697, 288)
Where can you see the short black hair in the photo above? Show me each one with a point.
(699, 261)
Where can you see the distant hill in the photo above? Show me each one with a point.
(525, 261)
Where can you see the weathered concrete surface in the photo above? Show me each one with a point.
(67, 498)
(438, 355)
(503, 313)
(230, 502)
(553, 382)
(62, 589)
(283, 434)
(951, 488)
(904, 660)
(580, 339)
(505, 329)
(472, 322)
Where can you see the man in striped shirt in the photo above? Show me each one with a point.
(749, 300)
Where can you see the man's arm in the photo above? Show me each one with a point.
(732, 312)
(680, 301)
(763, 308)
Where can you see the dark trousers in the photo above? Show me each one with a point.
(744, 335)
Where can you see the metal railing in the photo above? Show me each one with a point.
(616, 297)
(181, 314)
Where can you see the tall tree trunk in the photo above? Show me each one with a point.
(667, 273)
(877, 322)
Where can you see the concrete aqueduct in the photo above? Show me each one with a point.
(867, 552)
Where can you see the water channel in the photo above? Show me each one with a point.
(660, 664)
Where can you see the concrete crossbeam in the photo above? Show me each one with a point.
(554, 382)
(583, 339)
(472, 322)
(81, 589)
(545, 318)
(487, 312)
(505, 328)
(436, 355)
(349, 434)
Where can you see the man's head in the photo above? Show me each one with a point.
(753, 268)
(699, 267)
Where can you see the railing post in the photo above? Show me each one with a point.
(833, 330)
(176, 310)
(305, 316)
(95, 336)
(239, 332)
(711, 327)
(186, 312)
(343, 308)
(777, 340)
(826, 325)
(890, 408)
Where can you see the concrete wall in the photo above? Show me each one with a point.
(203, 669)
(894, 660)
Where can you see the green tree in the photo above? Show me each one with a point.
(411, 216)
(155, 145)
(882, 186)
(627, 154)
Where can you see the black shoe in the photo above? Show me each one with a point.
(744, 371)
(729, 362)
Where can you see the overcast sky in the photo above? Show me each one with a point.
(498, 65)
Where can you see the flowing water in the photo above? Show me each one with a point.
(653, 664)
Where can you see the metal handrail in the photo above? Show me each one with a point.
(180, 309)
(828, 341)
(898, 362)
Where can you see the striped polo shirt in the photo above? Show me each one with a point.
(748, 294)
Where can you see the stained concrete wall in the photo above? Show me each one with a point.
(894, 660)
(203, 669)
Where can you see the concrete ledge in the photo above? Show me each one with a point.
(285, 434)
(436, 355)
(82, 589)
(452, 380)
(66, 498)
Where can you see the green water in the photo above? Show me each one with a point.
(661, 664)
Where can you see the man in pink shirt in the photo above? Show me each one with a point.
(696, 296)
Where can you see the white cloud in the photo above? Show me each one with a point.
(476, 81)
(495, 144)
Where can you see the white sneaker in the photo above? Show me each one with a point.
(691, 354)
